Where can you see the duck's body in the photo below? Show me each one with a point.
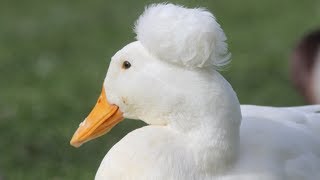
(280, 146)
(280, 143)
(169, 79)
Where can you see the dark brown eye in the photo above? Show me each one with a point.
(126, 65)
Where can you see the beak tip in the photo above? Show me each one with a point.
(75, 141)
(75, 144)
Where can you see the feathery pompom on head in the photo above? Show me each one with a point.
(187, 37)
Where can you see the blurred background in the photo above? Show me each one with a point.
(54, 56)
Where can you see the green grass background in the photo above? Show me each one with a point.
(54, 55)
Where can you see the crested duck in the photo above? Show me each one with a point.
(196, 129)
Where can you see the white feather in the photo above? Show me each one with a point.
(188, 37)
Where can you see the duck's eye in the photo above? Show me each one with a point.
(126, 65)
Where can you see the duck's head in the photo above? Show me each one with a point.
(167, 77)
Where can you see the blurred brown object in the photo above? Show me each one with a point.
(303, 66)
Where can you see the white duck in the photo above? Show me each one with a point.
(169, 79)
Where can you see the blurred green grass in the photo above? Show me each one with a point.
(54, 56)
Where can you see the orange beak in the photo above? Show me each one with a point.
(101, 120)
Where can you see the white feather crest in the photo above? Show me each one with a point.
(188, 37)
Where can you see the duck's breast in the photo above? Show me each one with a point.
(151, 152)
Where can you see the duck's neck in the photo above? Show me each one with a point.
(212, 121)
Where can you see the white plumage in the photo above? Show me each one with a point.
(194, 130)
(196, 126)
(188, 37)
